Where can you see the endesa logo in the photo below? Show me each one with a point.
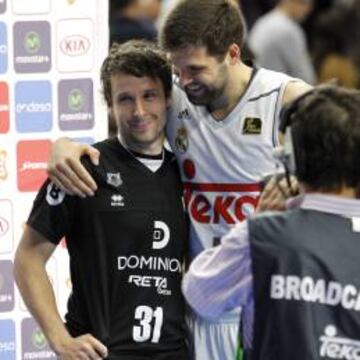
(75, 45)
(32, 157)
(4, 108)
(33, 106)
(7, 340)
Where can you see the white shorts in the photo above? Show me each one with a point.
(215, 339)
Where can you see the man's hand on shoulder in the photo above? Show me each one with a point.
(84, 347)
(65, 168)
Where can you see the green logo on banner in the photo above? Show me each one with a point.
(38, 339)
(76, 99)
(32, 42)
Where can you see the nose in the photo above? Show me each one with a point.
(185, 79)
(140, 109)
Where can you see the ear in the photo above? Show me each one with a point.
(234, 53)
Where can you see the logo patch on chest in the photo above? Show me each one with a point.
(252, 126)
(184, 114)
(117, 200)
(114, 179)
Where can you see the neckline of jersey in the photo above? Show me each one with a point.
(134, 162)
(210, 120)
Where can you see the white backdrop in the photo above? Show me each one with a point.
(50, 55)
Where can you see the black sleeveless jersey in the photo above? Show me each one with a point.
(126, 247)
(306, 286)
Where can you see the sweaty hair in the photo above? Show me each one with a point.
(214, 24)
(326, 136)
(137, 58)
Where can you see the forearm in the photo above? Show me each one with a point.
(38, 295)
(220, 279)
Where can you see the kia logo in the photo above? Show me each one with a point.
(4, 226)
(75, 45)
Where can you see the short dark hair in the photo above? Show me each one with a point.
(214, 24)
(137, 58)
(326, 137)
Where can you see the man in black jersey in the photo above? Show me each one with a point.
(127, 243)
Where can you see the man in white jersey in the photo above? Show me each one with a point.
(222, 129)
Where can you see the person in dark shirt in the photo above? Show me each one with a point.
(127, 243)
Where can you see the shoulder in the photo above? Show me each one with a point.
(112, 154)
(269, 80)
(171, 160)
(273, 220)
(294, 89)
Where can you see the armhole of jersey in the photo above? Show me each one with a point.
(276, 122)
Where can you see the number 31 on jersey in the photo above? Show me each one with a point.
(147, 328)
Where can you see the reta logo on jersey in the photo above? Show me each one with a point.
(32, 157)
(215, 203)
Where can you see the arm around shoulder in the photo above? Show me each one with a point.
(65, 168)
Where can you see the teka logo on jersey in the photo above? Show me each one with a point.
(33, 106)
(336, 347)
(75, 45)
(3, 170)
(32, 159)
(216, 203)
(4, 108)
(7, 340)
(161, 235)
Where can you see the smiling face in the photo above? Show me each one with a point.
(202, 76)
(139, 108)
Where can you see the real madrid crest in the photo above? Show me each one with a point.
(114, 179)
(182, 140)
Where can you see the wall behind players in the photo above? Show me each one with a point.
(50, 55)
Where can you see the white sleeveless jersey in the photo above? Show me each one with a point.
(222, 162)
